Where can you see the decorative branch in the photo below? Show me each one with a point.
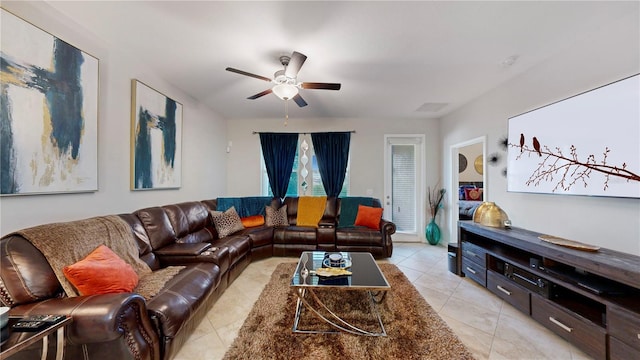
(569, 170)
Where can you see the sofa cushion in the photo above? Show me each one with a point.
(158, 226)
(190, 221)
(26, 274)
(238, 245)
(276, 217)
(183, 295)
(358, 236)
(101, 272)
(259, 235)
(349, 209)
(295, 235)
(369, 216)
(227, 222)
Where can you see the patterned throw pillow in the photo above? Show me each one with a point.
(227, 222)
(276, 217)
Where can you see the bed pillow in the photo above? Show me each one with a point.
(227, 222)
(369, 216)
(276, 217)
(101, 272)
(473, 194)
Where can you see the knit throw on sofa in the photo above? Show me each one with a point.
(66, 243)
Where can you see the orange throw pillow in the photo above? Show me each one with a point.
(101, 272)
(369, 216)
(252, 221)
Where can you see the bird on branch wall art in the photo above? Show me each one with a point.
(568, 170)
(586, 144)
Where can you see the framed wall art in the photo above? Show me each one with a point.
(48, 112)
(156, 139)
(583, 145)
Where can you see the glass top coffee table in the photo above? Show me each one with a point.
(364, 275)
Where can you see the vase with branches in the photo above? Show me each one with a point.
(436, 202)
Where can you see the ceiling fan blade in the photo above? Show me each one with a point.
(299, 100)
(297, 59)
(248, 74)
(266, 92)
(322, 86)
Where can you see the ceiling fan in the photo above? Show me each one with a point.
(286, 84)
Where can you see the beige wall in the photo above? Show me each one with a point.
(610, 55)
(366, 150)
(203, 133)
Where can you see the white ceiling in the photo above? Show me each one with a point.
(391, 57)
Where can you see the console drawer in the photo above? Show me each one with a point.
(509, 291)
(586, 335)
(474, 253)
(476, 272)
(624, 325)
(621, 351)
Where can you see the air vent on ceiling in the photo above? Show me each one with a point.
(431, 107)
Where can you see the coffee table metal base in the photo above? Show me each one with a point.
(333, 319)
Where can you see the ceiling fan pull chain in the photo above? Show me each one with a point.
(286, 112)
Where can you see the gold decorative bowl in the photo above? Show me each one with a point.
(490, 214)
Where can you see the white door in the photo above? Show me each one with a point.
(403, 200)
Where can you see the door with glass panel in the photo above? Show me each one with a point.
(403, 202)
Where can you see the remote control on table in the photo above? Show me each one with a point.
(28, 325)
(44, 318)
(36, 322)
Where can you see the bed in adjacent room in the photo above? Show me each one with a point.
(470, 197)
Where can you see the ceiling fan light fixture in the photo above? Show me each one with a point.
(285, 91)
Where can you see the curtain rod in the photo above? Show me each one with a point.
(303, 133)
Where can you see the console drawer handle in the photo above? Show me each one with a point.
(472, 253)
(503, 290)
(471, 270)
(563, 326)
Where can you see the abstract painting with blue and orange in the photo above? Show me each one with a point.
(157, 128)
(48, 112)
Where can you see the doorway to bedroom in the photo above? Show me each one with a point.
(468, 180)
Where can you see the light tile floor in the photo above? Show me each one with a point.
(489, 327)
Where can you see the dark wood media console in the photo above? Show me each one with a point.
(591, 299)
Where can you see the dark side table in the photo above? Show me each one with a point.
(17, 341)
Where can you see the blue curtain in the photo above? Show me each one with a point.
(279, 151)
(332, 152)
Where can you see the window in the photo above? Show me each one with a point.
(305, 174)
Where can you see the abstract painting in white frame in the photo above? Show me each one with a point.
(48, 112)
(156, 139)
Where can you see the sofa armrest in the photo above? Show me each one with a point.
(216, 255)
(183, 249)
(387, 227)
(100, 318)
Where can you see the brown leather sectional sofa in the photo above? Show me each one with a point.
(124, 325)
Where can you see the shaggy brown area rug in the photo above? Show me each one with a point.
(414, 329)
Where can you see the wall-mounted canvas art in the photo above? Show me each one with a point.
(48, 112)
(156, 139)
(584, 145)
